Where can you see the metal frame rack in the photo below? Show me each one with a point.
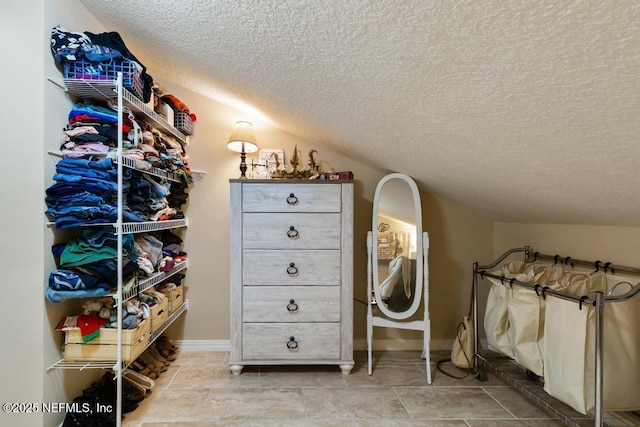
(598, 302)
(110, 91)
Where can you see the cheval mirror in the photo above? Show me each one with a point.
(397, 269)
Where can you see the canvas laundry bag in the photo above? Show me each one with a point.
(526, 316)
(527, 308)
(496, 321)
(581, 283)
(569, 356)
(526, 329)
(577, 283)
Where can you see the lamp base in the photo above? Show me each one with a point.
(243, 165)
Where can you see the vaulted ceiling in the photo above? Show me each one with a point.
(526, 111)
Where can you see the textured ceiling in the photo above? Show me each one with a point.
(524, 110)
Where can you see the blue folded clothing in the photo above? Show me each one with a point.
(56, 297)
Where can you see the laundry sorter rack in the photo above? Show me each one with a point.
(610, 335)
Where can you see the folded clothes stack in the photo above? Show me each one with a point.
(88, 267)
(98, 49)
(85, 191)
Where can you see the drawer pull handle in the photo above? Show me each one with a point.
(292, 345)
(292, 270)
(292, 306)
(293, 233)
(292, 199)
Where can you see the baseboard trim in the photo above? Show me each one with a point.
(400, 345)
(359, 344)
(192, 346)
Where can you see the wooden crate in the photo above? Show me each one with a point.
(176, 298)
(105, 346)
(159, 314)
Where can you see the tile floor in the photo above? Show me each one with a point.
(198, 390)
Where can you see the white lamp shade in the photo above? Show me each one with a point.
(242, 139)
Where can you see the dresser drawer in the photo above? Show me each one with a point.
(308, 341)
(291, 231)
(286, 267)
(291, 198)
(291, 304)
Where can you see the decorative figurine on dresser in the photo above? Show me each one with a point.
(291, 273)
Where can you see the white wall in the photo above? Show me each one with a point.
(21, 164)
(618, 245)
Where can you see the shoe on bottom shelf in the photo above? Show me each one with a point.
(158, 356)
(84, 419)
(140, 368)
(139, 378)
(166, 343)
(153, 354)
(166, 348)
(151, 362)
(104, 393)
(132, 391)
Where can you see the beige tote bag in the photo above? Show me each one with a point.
(462, 354)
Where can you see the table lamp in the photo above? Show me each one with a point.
(243, 141)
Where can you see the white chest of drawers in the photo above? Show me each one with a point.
(291, 273)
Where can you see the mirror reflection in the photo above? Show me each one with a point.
(396, 246)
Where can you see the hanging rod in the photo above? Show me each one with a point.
(539, 289)
(596, 264)
(543, 290)
(524, 249)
